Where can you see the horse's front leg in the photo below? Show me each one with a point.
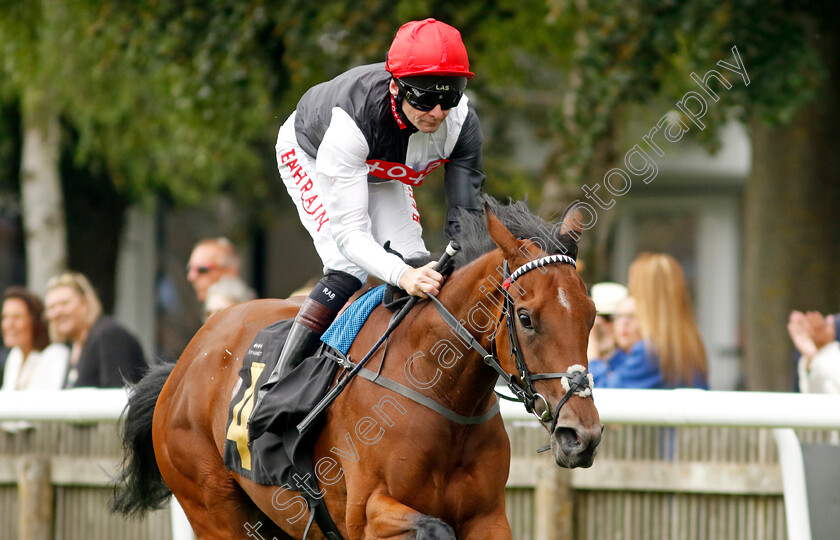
(388, 518)
(495, 526)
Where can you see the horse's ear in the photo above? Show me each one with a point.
(571, 223)
(500, 234)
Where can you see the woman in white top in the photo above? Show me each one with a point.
(33, 363)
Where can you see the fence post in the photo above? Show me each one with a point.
(554, 504)
(35, 498)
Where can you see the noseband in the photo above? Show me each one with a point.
(577, 381)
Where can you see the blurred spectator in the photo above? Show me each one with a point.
(226, 292)
(211, 259)
(102, 352)
(33, 363)
(658, 343)
(606, 297)
(815, 337)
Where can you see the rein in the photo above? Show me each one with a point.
(577, 381)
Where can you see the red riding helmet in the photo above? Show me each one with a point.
(428, 47)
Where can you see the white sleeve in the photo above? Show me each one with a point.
(825, 369)
(342, 171)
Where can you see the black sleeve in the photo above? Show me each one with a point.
(464, 175)
(120, 357)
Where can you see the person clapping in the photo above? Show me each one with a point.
(815, 337)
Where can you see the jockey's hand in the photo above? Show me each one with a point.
(422, 281)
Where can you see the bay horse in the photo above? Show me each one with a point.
(388, 467)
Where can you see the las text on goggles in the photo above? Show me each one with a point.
(426, 100)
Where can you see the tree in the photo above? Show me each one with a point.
(168, 98)
(28, 64)
(184, 98)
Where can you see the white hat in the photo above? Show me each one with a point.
(607, 296)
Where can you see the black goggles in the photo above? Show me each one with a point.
(426, 100)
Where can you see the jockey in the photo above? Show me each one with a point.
(352, 153)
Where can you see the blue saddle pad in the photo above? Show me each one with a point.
(342, 332)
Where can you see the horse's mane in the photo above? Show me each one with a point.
(475, 239)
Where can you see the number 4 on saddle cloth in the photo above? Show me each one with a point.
(281, 454)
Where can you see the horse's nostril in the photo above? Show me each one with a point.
(569, 439)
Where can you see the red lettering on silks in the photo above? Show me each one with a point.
(401, 172)
(287, 155)
(307, 186)
(397, 172)
(321, 218)
(415, 215)
(396, 114)
(299, 174)
(308, 203)
(435, 164)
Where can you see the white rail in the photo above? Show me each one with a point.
(682, 407)
(78, 405)
(689, 407)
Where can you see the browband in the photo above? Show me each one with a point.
(527, 267)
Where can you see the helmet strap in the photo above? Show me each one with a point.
(401, 118)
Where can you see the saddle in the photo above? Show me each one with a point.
(283, 456)
(273, 459)
(286, 459)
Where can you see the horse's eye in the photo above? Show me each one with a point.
(525, 320)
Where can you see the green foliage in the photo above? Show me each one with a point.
(185, 97)
(570, 66)
(174, 96)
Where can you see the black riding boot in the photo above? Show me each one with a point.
(311, 322)
(315, 316)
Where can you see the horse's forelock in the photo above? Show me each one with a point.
(475, 239)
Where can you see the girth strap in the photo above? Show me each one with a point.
(318, 512)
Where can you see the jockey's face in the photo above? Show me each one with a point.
(424, 121)
(67, 312)
(17, 325)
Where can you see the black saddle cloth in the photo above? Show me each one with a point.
(275, 459)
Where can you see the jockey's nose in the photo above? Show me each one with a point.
(437, 112)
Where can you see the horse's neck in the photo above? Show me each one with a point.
(473, 295)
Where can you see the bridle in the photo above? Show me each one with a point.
(577, 381)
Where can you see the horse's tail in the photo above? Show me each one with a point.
(140, 487)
